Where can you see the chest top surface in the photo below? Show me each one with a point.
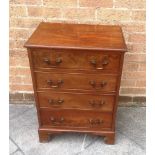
(77, 36)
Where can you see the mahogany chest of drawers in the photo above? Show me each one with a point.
(76, 72)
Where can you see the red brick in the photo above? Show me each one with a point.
(130, 4)
(28, 2)
(135, 57)
(132, 28)
(136, 48)
(134, 75)
(130, 66)
(137, 38)
(128, 83)
(19, 87)
(79, 14)
(142, 66)
(138, 15)
(15, 80)
(17, 11)
(24, 22)
(126, 36)
(18, 71)
(20, 79)
(17, 61)
(19, 33)
(133, 91)
(44, 12)
(27, 80)
(16, 44)
(113, 15)
(96, 3)
(141, 83)
(18, 53)
(61, 3)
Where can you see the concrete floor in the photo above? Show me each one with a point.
(130, 135)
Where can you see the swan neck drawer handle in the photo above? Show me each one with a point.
(55, 102)
(96, 121)
(54, 64)
(57, 121)
(54, 85)
(104, 63)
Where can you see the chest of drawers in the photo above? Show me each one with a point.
(76, 72)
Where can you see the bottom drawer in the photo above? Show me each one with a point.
(75, 118)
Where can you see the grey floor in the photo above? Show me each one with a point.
(130, 135)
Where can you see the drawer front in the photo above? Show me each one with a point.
(81, 60)
(76, 81)
(76, 101)
(75, 118)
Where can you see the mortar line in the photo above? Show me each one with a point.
(15, 152)
(91, 142)
(83, 143)
(140, 146)
(113, 3)
(78, 4)
(88, 146)
(16, 145)
(42, 3)
(21, 113)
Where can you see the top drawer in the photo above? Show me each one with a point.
(76, 59)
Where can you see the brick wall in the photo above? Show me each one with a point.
(25, 15)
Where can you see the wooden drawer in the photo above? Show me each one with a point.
(65, 100)
(76, 81)
(75, 118)
(81, 60)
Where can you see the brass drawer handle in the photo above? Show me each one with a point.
(94, 85)
(103, 83)
(96, 121)
(51, 83)
(60, 101)
(55, 102)
(58, 60)
(52, 119)
(104, 63)
(93, 62)
(48, 61)
(57, 121)
(99, 103)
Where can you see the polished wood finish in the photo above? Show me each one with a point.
(75, 81)
(77, 36)
(76, 71)
(66, 100)
(46, 133)
(76, 59)
(75, 118)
